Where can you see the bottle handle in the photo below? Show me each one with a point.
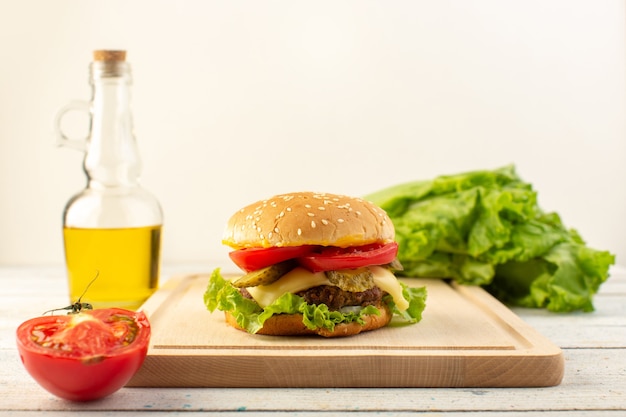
(62, 138)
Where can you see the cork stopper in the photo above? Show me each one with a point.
(108, 55)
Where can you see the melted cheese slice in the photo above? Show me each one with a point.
(300, 279)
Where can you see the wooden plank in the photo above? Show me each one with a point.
(594, 381)
(274, 413)
(593, 384)
(28, 292)
(466, 339)
(602, 327)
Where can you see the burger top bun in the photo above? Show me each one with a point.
(308, 218)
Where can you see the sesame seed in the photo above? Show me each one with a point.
(340, 220)
(358, 213)
(277, 230)
(321, 208)
(310, 214)
(307, 205)
(324, 222)
(313, 224)
(299, 232)
(288, 208)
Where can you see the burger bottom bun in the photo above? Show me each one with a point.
(291, 325)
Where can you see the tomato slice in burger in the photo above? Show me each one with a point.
(252, 259)
(333, 258)
(84, 356)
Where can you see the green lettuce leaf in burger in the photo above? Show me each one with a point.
(313, 263)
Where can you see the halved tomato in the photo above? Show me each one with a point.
(331, 258)
(252, 259)
(84, 356)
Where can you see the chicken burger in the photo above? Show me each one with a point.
(313, 263)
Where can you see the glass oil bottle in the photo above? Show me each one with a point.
(112, 228)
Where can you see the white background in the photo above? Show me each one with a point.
(235, 101)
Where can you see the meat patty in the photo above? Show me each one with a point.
(334, 297)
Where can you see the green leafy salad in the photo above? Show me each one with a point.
(485, 228)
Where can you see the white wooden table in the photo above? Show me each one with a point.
(594, 346)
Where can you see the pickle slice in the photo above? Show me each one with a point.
(353, 280)
(264, 276)
(395, 265)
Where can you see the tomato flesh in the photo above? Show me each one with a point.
(252, 259)
(317, 258)
(84, 356)
(331, 259)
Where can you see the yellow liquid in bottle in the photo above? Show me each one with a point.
(126, 261)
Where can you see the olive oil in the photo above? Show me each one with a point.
(126, 261)
(111, 228)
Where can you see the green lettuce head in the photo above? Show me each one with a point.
(486, 228)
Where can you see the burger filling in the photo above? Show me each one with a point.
(334, 297)
(300, 280)
(325, 299)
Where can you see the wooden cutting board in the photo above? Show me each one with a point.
(466, 338)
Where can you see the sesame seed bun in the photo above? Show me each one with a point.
(308, 218)
(292, 325)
